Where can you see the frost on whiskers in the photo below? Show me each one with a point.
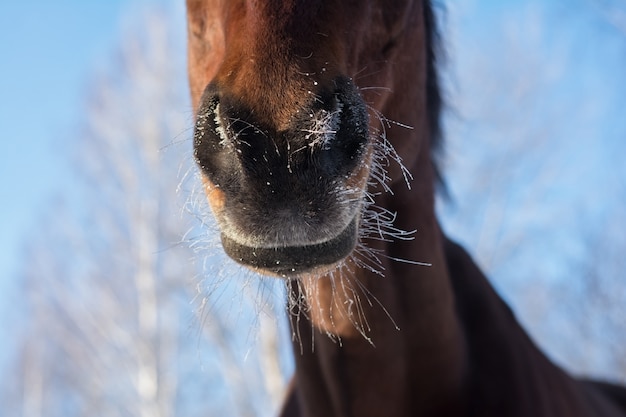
(376, 224)
(323, 127)
(222, 277)
(227, 296)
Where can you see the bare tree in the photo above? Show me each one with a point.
(600, 313)
(110, 328)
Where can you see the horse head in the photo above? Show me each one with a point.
(283, 133)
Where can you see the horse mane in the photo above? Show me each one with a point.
(433, 89)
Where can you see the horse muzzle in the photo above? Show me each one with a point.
(287, 200)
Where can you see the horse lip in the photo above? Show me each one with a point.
(291, 261)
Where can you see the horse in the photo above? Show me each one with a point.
(316, 135)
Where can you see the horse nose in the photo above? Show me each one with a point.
(323, 138)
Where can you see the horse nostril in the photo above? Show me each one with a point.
(282, 186)
(204, 128)
(325, 140)
(337, 129)
(212, 151)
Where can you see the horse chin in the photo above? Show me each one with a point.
(295, 261)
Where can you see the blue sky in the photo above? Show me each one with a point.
(49, 51)
(535, 142)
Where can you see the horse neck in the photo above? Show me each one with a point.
(401, 336)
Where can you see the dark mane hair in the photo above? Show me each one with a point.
(435, 102)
